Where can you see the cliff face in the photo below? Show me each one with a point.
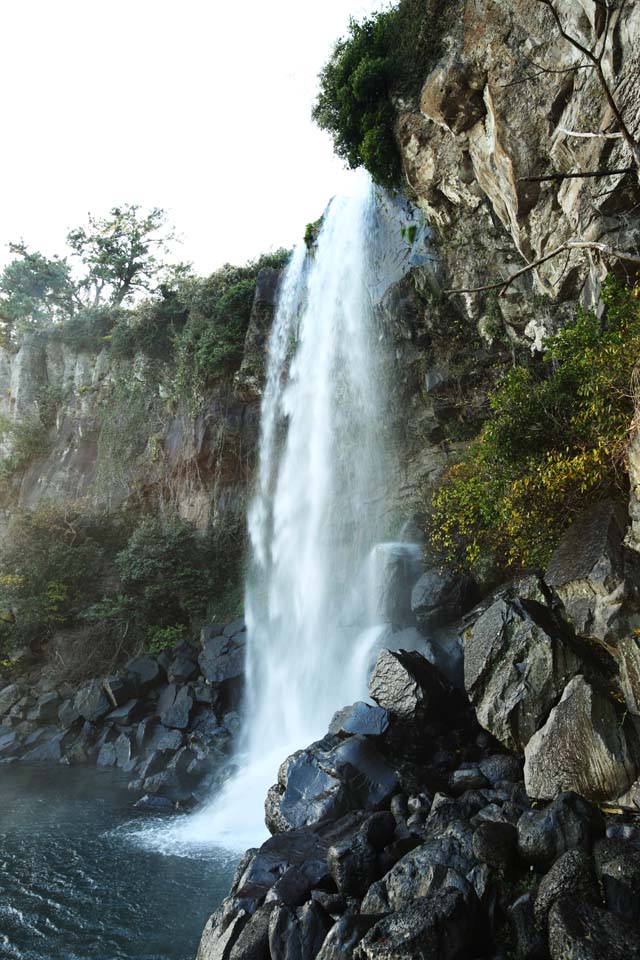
(496, 109)
(116, 432)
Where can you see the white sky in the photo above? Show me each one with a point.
(201, 107)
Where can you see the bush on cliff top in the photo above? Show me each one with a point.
(386, 55)
(555, 442)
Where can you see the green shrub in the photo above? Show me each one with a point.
(212, 342)
(28, 439)
(555, 442)
(386, 55)
(150, 329)
(50, 565)
(89, 328)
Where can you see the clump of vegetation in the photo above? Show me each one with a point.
(27, 440)
(50, 567)
(555, 442)
(383, 57)
(211, 345)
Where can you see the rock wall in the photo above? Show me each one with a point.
(117, 433)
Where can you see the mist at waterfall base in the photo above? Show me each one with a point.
(325, 464)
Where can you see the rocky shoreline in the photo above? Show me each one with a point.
(167, 721)
(490, 818)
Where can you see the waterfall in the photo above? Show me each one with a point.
(325, 461)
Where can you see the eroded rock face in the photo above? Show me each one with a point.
(517, 663)
(406, 685)
(584, 746)
(587, 570)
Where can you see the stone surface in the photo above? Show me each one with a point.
(517, 663)
(440, 596)
(145, 670)
(568, 823)
(584, 746)
(579, 931)
(439, 926)
(617, 865)
(409, 687)
(91, 702)
(328, 779)
(174, 706)
(587, 569)
(344, 937)
(297, 934)
(572, 876)
(360, 718)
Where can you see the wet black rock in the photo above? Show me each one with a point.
(234, 628)
(91, 702)
(579, 931)
(529, 940)
(174, 706)
(47, 706)
(496, 844)
(501, 768)
(253, 941)
(345, 935)
(618, 868)
(573, 876)
(297, 934)
(120, 689)
(409, 687)
(439, 926)
(145, 671)
(569, 822)
(127, 714)
(328, 779)
(469, 778)
(353, 864)
(360, 718)
(441, 596)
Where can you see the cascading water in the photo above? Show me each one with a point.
(324, 468)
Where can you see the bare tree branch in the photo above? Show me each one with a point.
(596, 60)
(604, 249)
(588, 135)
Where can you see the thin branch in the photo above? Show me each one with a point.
(570, 245)
(596, 59)
(576, 176)
(542, 71)
(588, 135)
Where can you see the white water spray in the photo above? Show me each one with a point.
(324, 469)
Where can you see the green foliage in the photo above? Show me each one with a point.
(151, 329)
(119, 253)
(211, 345)
(50, 563)
(385, 55)
(555, 442)
(90, 327)
(159, 638)
(34, 289)
(27, 440)
(169, 575)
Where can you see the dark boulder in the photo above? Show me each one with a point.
(145, 671)
(436, 864)
(353, 865)
(222, 660)
(9, 696)
(442, 925)
(587, 745)
(529, 940)
(296, 883)
(568, 823)
(573, 876)
(211, 630)
(467, 778)
(328, 779)
(501, 768)
(360, 718)
(120, 689)
(497, 845)
(151, 802)
(517, 663)
(297, 934)
(618, 868)
(67, 713)
(580, 931)
(441, 596)
(587, 570)
(182, 668)
(410, 688)
(128, 713)
(91, 702)
(253, 941)
(47, 706)
(345, 935)
(234, 628)
(174, 706)
(107, 756)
